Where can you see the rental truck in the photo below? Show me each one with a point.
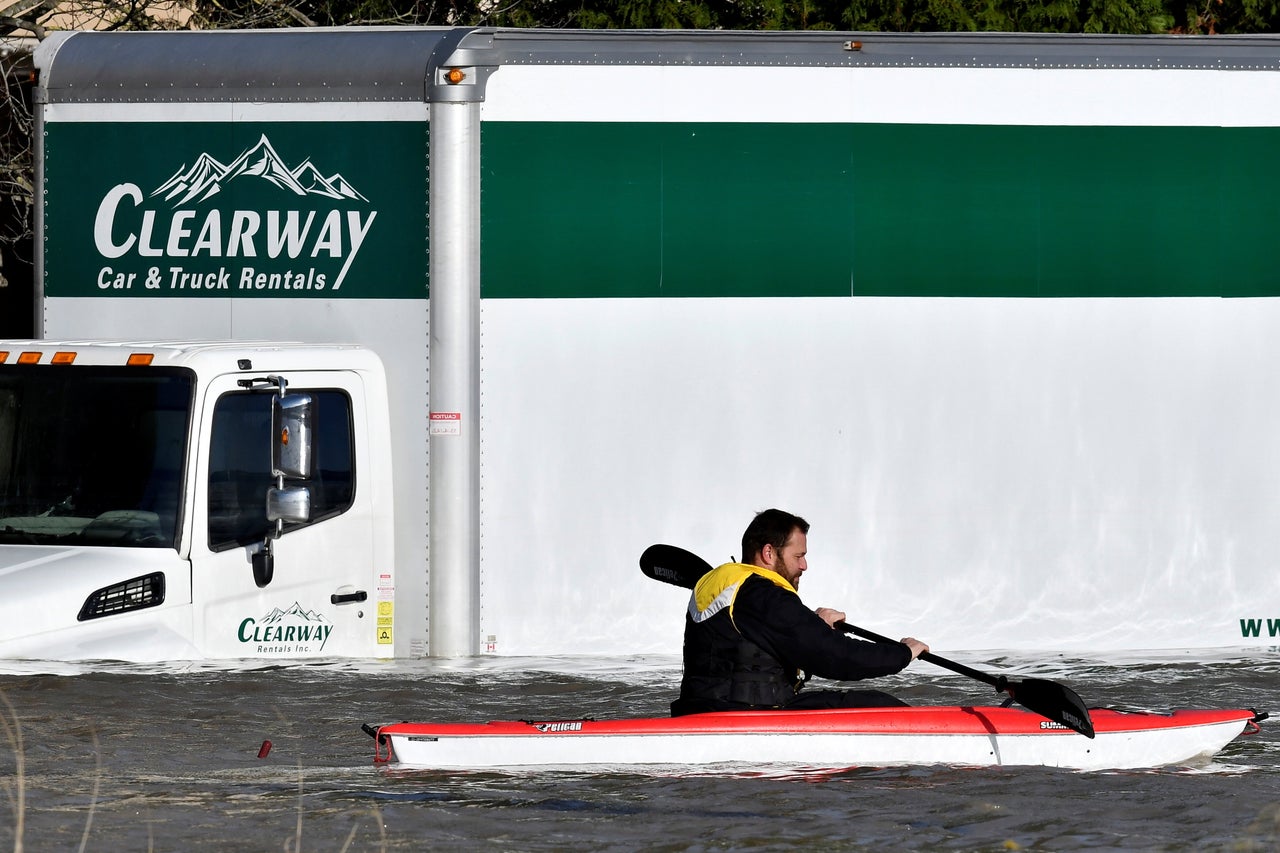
(390, 342)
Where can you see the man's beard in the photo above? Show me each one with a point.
(795, 582)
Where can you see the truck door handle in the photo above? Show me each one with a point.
(347, 597)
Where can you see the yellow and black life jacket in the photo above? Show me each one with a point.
(723, 670)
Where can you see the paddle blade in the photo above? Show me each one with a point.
(1055, 701)
(673, 565)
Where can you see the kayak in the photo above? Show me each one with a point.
(866, 737)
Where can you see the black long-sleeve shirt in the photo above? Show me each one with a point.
(779, 622)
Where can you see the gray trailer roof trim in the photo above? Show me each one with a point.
(831, 49)
(266, 66)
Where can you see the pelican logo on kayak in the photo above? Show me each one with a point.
(283, 632)
(565, 726)
(178, 239)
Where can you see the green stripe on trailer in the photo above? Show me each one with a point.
(747, 209)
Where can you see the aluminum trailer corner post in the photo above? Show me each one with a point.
(43, 58)
(454, 276)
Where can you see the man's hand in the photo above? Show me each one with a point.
(831, 617)
(917, 648)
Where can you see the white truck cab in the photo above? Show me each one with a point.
(157, 502)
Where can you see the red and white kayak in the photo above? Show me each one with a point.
(864, 737)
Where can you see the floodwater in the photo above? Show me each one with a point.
(128, 757)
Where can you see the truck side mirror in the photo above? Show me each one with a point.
(292, 457)
(292, 503)
(292, 417)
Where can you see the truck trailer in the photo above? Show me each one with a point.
(387, 342)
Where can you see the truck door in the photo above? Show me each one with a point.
(320, 599)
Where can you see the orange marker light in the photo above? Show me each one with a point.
(455, 76)
(4, 356)
(64, 358)
(29, 358)
(140, 359)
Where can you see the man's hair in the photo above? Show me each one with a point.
(770, 527)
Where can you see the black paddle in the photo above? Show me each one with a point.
(1049, 699)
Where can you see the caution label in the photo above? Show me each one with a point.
(446, 423)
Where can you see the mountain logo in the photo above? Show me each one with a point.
(292, 630)
(295, 612)
(207, 177)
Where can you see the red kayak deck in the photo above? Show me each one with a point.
(950, 734)
(913, 720)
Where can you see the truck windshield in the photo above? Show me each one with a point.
(92, 455)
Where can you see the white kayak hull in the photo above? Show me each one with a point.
(871, 737)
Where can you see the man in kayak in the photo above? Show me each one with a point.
(748, 638)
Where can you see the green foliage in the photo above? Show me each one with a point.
(1234, 16)
(1058, 16)
(1053, 16)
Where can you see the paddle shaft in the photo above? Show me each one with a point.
(999, 683)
